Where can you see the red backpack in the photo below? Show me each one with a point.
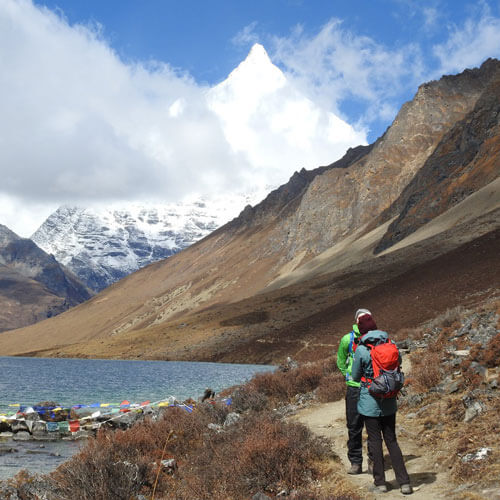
(388, 379)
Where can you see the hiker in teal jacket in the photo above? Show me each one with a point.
(354, 420)
(379, 416)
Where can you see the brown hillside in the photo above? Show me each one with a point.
(306, 249)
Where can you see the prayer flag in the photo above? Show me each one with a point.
(63, 426)
(74, 425)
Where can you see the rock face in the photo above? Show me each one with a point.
(343, 200)
(285, 272)
(465, 160)
(33, 285)
(103, 245)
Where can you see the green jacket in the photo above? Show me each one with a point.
(345, 356)
(362, 366)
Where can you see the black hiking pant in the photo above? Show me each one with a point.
(355, 423)
(378, 427)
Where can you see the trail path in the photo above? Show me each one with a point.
(427, 477)
(329, 420)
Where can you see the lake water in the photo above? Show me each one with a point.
(28, 381)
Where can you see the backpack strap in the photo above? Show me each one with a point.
(375, 366)
(351, 342)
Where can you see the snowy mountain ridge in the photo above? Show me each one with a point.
(104, 244)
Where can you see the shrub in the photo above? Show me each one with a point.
(262, 453)
(107, 468)
(331, 388)
(246, 398)
(491, 354)
(283, 386)
(426, 367)
(448, 318)
(118, 464)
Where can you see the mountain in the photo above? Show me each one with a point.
(258, 105)
(102, 245)
(33, 285)
(408, 227)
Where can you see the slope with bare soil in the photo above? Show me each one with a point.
(234, 296)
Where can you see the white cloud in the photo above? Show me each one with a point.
(270, 122)
(336, 64)
(247, 36)
(469, 44)
(78, 124)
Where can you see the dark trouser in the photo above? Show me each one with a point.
(386, 427)
(355, 423)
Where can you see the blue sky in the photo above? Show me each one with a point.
(123, 100)
(206, 39)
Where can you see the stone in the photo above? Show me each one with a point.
(215, 427)
(7, 449)
(22, 436)
(475, 409)
(453, 387)
(231, 419)
(480, 454)
(8, 492)
(169, 465)
(260, 496)
(478, 368)
(19, 425)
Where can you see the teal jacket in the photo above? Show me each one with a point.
(345, 356)
(362, 366)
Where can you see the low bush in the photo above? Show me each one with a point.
(263, 453)
(283, 386)
(247, 398)
(258, 453)
(331, 388)
(491, 354)
(426, 367)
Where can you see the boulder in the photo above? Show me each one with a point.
(22, 436)
(231, 419)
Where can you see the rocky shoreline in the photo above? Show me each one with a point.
(53, 423)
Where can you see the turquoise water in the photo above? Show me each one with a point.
(28, 381)
(69, 382)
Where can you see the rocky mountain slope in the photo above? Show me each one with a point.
(102, 245)
(408, 224)
(33, 285)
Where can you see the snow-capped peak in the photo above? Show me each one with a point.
(102, 244)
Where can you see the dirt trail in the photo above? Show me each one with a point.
(427, 477)
(329, 420)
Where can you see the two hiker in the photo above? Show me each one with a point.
(378, 414)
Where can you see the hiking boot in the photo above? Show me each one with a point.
(382, 488)
(355, 469)
(406, 489)
(370, 467)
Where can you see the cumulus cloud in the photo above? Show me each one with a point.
(79, 125)
(470, 43)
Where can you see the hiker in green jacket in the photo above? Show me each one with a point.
(354, 420)
(379, 414)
